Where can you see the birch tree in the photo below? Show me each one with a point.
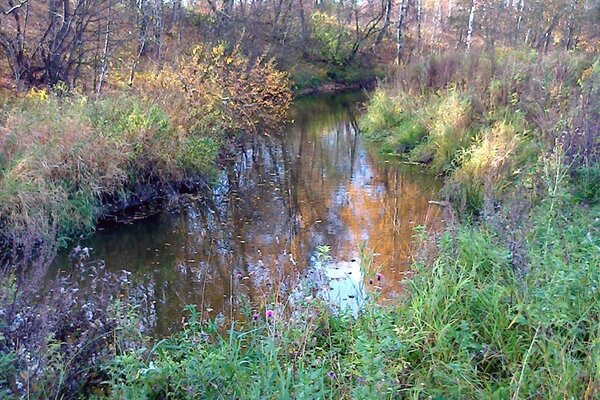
(399, 28)
(470, 25)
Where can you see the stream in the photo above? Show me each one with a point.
(316, 184)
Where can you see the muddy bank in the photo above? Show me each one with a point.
(148, 199)
(337, 87)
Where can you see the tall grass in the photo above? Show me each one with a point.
(480, 119)
(507, 308)
(62, 157)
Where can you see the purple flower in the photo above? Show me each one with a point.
(370, 281)
(270, 313)
(331, 374)
(379, 277)
(255, 316)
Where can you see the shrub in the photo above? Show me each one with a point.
(216, 91)
(60, 156)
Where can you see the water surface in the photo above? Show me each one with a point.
(315, 184)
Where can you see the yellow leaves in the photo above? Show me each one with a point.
(218, 89)
(37, 94)
(218, 51)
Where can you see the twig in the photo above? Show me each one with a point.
(15, 7)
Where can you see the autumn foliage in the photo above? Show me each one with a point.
(63, 157)
(215, 89)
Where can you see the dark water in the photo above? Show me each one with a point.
(317, 184)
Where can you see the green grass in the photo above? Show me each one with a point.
(479, 127)
(61, 155)
(482, 319)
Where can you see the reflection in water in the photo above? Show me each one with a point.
(316, 184)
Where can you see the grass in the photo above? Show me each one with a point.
(63, 155)
(483, 318)
(481, 125)
(60, 156)
(505, 307)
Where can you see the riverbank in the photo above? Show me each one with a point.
(67, 159)
(504, 309)
(480, 121)
(337, 87)
(504, 302)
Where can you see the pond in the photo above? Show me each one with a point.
(259, 233)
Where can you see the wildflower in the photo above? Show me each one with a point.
(379, 277)
(270, 313)
(331, 374)
(255, 316)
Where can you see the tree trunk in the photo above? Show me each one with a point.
(303, 20)
(519, 19)
(419, 18)
(548, 33)
(470, 25)
(571, 25)
(105, 53)
(386, 22)
(399, 28)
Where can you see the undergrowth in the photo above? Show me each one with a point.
(507, 308)
(480, 120)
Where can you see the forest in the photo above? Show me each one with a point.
(292, 199)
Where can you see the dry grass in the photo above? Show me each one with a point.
(60, 156)
(485, 116)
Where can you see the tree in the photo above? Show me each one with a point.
(399, 28)
(470, 25)
(48, 42)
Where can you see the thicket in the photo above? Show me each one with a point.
(479, 120)
(64, 155)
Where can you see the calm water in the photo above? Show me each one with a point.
(316, 184)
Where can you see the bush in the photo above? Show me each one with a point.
(60, 156)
